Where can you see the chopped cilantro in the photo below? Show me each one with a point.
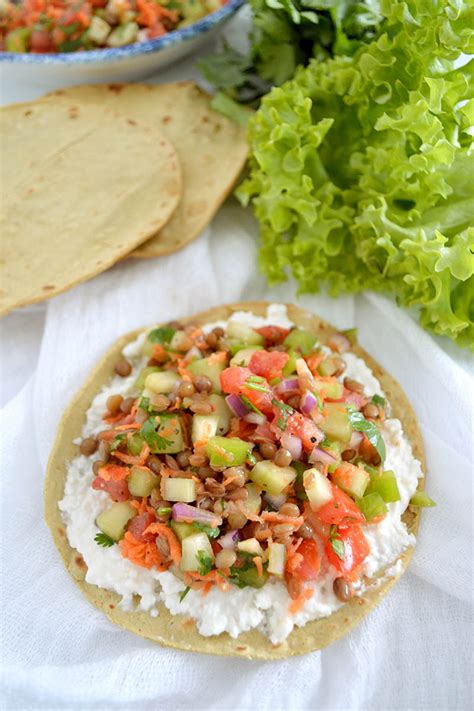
(210, 531)
(184, 593)
(116, 442)
(252, 384)
(250, 405)
(378, 400)
(102, 539)
(370, 429)
(151, 436)
(205, 562)
(337, 544)
(162, 335)
(285, 410)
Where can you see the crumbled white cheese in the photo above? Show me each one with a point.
(237, 610)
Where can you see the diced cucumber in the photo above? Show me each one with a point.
(336, 424)
(222, 411)
(249, 576)
(204, 427)
(141, 481)
(113, 521)
(17, 39)
(171, 429)
(243, 356)
(191, 547)
(182, 530)
(317, 487)
(300, 340)
(385, 484)
(179, 489)
(290, 367)
(276, 559)
(419, 498)
(123, 35)
(271, 477)
(135, 444)
(332, 389)
(227, 451)
(372, 506)
(241, 332)
(328, 367)
(300, 492)
(143, 375)
(253, 503)
(179, 342)
(98, 30)
(250, 545)
(210, 370)
(351, 479)
(162, 382)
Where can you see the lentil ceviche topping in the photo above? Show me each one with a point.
(243, 455)
(41, 26)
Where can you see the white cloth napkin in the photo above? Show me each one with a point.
(413, 652)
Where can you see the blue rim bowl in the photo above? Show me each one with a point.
(130, 50)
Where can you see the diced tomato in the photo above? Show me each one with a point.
(273, 335)
(356, 550)
(309, 567)
(138, 524)
(305, 429)
(268, 364)
(117, 490)
(341, 510)
(234, 381)
(41, 41)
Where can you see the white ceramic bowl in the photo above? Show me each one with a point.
(133, 61)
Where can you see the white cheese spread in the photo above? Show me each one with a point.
(236, 610)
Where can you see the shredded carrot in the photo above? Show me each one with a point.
(313, 361)
(257, 559)
(217, 357)
(113, 472)
(162, 530)
(129, 426)
(129, 459)
(158, 353)
(144, 554)
(299, 602)
(275, 517)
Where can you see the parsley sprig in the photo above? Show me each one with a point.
(154, 440)
(285, 410)
(205, 562)
(102, 539)
(370, 429)
(337, 544)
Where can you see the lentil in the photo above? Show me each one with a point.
(289, 510)
(348, 454)
(370, 410)
(160, 402)
(186, 389)
(183, 459)
(267, 450)
(154, 463)
(237, 519)
(98, 465)
(198, 460)
(201, 408)
(342, 589)
(239, 494)
(163, 546)
(123, 367)
(305, 531)
(225, 558)
(88, 446)
(203, 383)
(282, 529)
(127, 404)
(104, 450)
(239, 476)
(282, 458)
(113, 403)
(353, 385)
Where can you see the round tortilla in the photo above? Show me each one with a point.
(212, 149)
(81, 187)
(176, 630)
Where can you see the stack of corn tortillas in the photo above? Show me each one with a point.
(93, 174)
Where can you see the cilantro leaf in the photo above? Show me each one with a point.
(208, 530)
(205, 562)
(162, 335)
(184, 593)
(116, 442)
(337, 544)
(285, 410)
(378, 400)
(102, 539)
(370, 429)
(154, 440)
(250, 405)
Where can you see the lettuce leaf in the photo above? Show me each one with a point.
(361, 168)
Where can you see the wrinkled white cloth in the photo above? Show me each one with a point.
(413, 652)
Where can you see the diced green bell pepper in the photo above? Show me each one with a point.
(17, 40)
(385, 484)
(419, 498)
(372, 506)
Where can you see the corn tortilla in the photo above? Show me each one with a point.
(178, 631)
(212, 149)
(81, 188)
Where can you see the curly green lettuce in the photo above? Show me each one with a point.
(361, 170)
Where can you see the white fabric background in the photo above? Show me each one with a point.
(415, 651)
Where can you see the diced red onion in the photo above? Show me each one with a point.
(275, 501)
(236, 405)
(230, 540)
(255, 419)
(308, 402)
(287, 385)
(292, 443)
(305, 376)
(340, 343)
(185, 512)
(355, 440)
(319, 455)
(356, 399)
